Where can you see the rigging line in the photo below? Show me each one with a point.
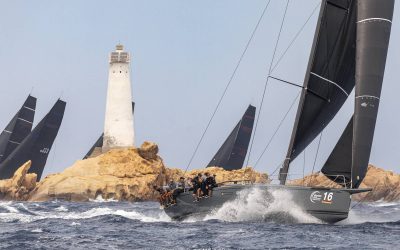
(229, 83)
(295, 37)
(304, 163)
(277, 129)
(315, 159)
(364, 198)
(266, 82)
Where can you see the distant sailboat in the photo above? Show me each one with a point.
(18, 128)
(349, 50)
(36, 146)
(232, 153)
(96, 148)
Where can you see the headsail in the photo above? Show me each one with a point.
(99, 143)
(233, 152)
(374, 22)
(18, 128)
(37, 145)
(338, 166)
(329, 78)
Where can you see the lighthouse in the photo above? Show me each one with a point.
(118, 125)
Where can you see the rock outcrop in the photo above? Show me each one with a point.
(244, 174)
(120, 174)
(20, 185)
(385, 184)
(123, 174)
(130, 174)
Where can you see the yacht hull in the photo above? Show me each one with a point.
(327, 205)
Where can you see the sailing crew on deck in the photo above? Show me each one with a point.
(204, 186)
(165, 197)
(196, 183)
(211, 183)
(179, 188)
(172, 185)
(188, 184)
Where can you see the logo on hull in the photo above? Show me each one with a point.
(315, 196)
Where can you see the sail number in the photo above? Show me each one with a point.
(45, 151)
(327, 197)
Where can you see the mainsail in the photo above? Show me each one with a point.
(329, 78)
(233, 151)
(18, 128)
(99, 143)
(374, 24)
(36, 146)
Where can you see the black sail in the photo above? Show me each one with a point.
(329, 78)
(99, 143)
(338, 165)
(233, 151)
(36, 146)
(18, 128)
(374, 21)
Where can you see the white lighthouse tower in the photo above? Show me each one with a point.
(118, 126)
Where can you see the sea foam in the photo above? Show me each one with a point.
(256, 204)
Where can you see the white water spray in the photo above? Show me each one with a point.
(259, 205)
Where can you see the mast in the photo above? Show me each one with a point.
(36, 146)
(285, 168)
(329, 77)
(374, 22)
(232, 153)
(18, 128)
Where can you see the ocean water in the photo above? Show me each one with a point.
(246, 223)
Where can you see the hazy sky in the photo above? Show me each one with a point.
(183, 52)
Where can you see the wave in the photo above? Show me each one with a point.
(383, 204)
(100, 199)
(253, 205)
(261, 205)
(373, 212)
(20, 213)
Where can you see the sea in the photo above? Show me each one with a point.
(250, 222)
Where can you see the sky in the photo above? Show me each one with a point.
(183, 54)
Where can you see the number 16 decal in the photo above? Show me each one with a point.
(328, 196)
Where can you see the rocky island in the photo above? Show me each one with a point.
(130, 174)
(120, 174)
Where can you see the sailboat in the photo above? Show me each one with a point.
(18, 128)
(95, 150)
(37, 145)
(349, 50)
(232, 153)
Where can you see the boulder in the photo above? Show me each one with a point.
(148, 150)
(20, 185)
